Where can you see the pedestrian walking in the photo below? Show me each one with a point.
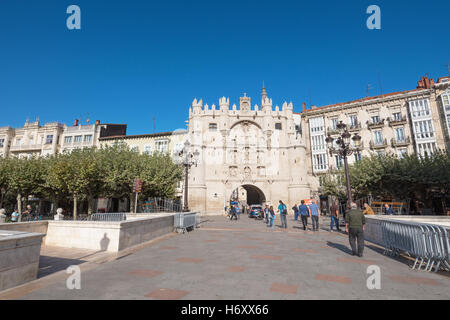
(334, 211)
(233, 212)
(295, 209)
(304, 214)
(267, 214)
(282, 209)
(355, 223)
(315, 215)
(272, 216)
(367, 209)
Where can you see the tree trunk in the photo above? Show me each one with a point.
(19, 206)
(90, 204)
(75, 204)
(55, 204)
(132, 202)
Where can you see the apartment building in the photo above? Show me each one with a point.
(88, 135)
(397, 123)
(31, 139)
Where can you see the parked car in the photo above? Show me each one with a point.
(256, 211)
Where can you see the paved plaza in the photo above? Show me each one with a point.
(236, 260)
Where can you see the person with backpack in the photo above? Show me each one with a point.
(282, 209)
(295, 209)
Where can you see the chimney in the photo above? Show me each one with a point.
(76, 122)
(304, 107)
(97, 122)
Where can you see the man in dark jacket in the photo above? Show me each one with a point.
(355, 223)
(295, 208)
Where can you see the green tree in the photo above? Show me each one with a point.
(25, 178)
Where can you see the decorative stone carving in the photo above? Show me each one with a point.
(58, 216)
(2, 215)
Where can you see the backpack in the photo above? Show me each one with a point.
(284, 209)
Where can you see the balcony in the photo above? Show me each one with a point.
(354, 127)
(332, 131)
(378, 144)
(396, 122)
(375, 125)
(400, 143)
(28, 147)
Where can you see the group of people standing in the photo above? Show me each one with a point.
(27, 214)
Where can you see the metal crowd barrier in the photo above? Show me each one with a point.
(185, 221)
(428, 243)
(107, 217)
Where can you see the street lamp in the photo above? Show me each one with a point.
(344, 149)
(188, 159)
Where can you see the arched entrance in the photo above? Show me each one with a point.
(248, 194)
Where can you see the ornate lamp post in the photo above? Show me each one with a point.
(344, 149)
(188, 159)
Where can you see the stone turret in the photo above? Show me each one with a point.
(197, 106)
(224, 104)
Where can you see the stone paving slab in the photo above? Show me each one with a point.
(250, 261)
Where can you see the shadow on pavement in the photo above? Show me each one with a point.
(49, 265)
(339, 246)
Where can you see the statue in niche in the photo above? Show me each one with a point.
(247, 173)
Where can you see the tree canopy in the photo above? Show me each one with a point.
(89, 173)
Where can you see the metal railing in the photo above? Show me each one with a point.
(185, 221)
(107, 217)
(428, 243)
(160, 205)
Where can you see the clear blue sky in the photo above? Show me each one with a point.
(136, 59)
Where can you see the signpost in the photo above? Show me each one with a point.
(137, 188)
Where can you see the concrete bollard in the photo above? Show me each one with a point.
(2, 215)
(58, 216)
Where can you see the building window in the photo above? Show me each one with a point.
(424, 129)
(88, 138)
(318, 142)
(375, 119)
(446, 102)
(358, 156)
(77, 139)
(213, 127)
(419, 108)
(334, 123)
(49, 139)
(18, 141)
(399, 135)
(148, 149)
(402, 152)
(134, 148)
(67, 140)
(320, 162)
(2, 143)
(278, 126)
(353, 120)
(397, 116)
(381, 153)
(377, 137)
(338, 162)
(161, 145)
(316, 124)
(426, 148)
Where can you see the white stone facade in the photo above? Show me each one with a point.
(260, 148)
